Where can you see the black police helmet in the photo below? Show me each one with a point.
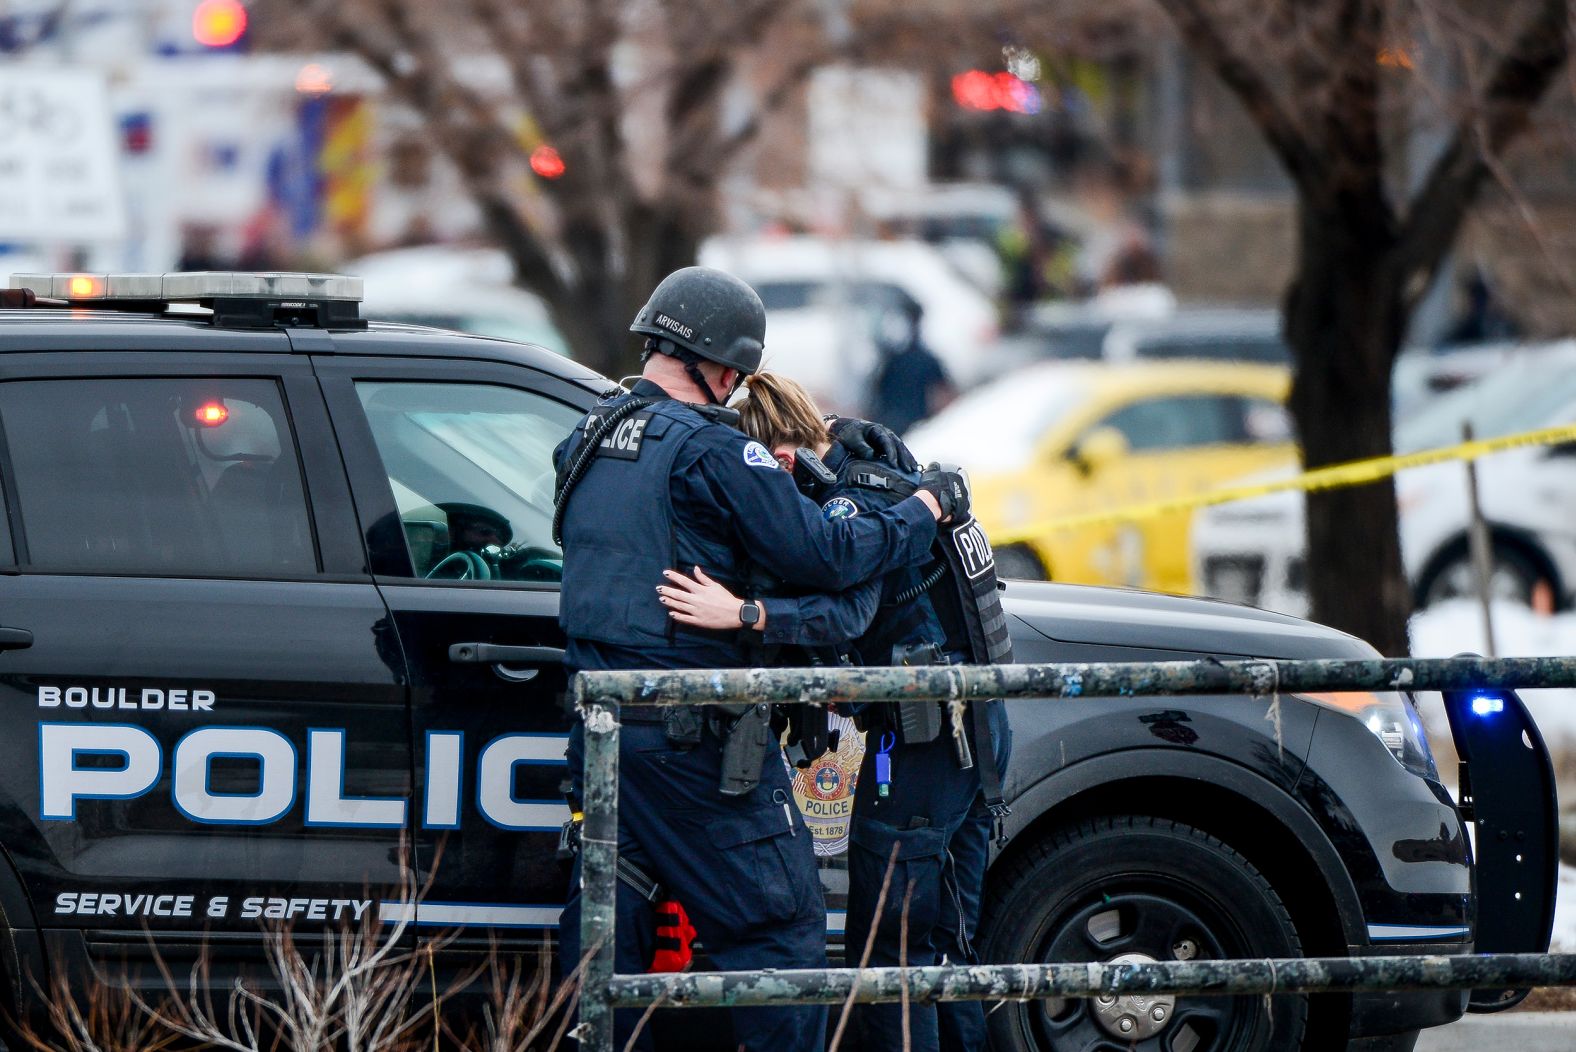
(709, 312)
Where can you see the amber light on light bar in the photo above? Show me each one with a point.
(84, 286)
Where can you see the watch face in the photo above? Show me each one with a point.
(749, 613)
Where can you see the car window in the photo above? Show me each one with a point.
(178, 477)
(785, 295)
(1238, 347)
(1528, 392)
(471, 466)
(1178, 422)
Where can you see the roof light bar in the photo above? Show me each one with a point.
(192, 287)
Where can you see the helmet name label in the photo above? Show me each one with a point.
(675, 326)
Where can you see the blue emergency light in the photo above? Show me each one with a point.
(1487, 704)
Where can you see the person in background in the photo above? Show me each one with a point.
(910, 384)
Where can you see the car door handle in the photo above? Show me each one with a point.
(15, 639)
(495, 654)
(501, 657)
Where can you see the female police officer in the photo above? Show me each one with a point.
(927, 789)
(656, 478)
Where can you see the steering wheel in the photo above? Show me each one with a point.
(531, 563)
(460, 566)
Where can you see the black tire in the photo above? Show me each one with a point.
(1019, 561)
(1113, 886)
(1513, 574)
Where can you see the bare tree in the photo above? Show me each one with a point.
(630, 96)
(649, 105)
(1320, 80)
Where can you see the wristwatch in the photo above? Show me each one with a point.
(749, 612)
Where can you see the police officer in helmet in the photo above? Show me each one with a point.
(659, 478)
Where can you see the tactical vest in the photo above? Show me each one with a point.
(963, 591)
(965, 597)
(620, 533)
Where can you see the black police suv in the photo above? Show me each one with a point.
(278, 610)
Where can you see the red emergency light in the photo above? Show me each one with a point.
(219, 23)
(546, 163)
(980, 90)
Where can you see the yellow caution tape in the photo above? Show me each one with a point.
(1336, 476)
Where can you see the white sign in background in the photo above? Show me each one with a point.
(867, 128)
(59, 165)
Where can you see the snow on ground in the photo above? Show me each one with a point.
(1455, 627)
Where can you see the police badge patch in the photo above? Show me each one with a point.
(758, 456)
(839, 508)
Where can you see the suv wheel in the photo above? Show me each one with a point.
(1132, 889)
(1512, 575)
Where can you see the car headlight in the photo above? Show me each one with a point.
(1393, 720)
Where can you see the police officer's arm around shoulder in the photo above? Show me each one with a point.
(786, 531)
(814, 620)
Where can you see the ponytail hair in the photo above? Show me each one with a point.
(778, 412)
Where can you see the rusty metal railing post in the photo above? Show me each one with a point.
(1255, 678)
(598, 873)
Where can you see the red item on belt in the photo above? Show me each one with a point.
(675, 938)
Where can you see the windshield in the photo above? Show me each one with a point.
(1531, 392)
(998, 426)
(1230, 346)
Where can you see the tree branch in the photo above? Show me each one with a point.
(1513, 91)
(1202, 30)
(460, 124)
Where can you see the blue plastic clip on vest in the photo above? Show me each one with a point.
(884, 765)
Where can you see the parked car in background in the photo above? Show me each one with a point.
(963, 220)
(846, 283)
(1065, 438)
(1233, 334)
(464, 289)
(1422, 374)
(1253, 551)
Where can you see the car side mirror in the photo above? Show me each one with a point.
(1098, 449)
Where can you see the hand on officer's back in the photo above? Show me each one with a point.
(700, 601)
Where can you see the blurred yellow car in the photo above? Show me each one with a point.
(1068, 438)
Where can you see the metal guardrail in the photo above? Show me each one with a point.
(597, 696)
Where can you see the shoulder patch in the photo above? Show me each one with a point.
(758, 456)
(839, 508)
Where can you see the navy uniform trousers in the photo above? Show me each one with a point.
(743, 867)
(936, 818)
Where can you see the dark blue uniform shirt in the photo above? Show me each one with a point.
(700, 493)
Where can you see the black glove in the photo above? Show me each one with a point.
(949, 488)
(871, 441)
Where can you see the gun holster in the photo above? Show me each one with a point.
(745, 738)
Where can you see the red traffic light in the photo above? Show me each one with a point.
(546, 163)
(219, 23)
